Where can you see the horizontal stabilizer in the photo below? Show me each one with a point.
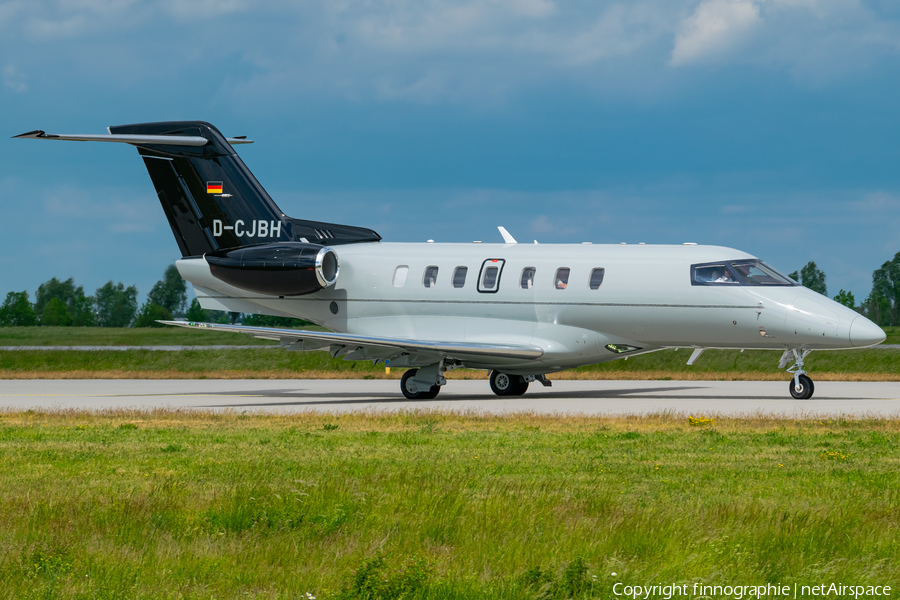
(137, 140)
(460, 350)
(210, 198)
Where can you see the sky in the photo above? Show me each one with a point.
(770, 126)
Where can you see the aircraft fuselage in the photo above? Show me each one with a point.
(646, 301)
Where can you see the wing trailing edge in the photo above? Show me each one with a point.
(362, 347)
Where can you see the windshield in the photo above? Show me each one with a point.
(738, 272)
(756, 272)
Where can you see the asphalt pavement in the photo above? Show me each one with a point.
(726, 398)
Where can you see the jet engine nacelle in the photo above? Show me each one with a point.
(277, 269)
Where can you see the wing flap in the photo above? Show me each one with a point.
(362, 347)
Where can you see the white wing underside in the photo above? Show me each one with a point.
(378, 349)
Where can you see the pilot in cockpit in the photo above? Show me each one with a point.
(725, 277)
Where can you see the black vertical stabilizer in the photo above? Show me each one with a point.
(213, 201)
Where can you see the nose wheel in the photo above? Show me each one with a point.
(802, 387)
(503, 384)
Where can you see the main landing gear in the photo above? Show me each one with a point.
(425, 383)
(504, 384)
(508, 385)
(411, 390)
(801, 385)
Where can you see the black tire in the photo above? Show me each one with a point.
(432, 393)
(502, 384)
(806, 388)
(521, 386)
(508, 385)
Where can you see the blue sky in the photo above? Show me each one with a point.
(771, 126)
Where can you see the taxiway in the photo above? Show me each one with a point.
(726, 398)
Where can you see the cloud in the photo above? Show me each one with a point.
(13, 80)
(715, 26)
(472, 52)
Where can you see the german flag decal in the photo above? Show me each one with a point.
(213, 187)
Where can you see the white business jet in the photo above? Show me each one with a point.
(520, 311)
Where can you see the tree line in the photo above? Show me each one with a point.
(881, 306)
(63, 304)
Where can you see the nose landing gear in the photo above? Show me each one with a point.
(802, 387)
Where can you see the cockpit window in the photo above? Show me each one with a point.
(737, 272)
(755, 272)
(713, 274)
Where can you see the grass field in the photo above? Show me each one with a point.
(875, 365)
(272, 362)
(122, 336)
(428, 505)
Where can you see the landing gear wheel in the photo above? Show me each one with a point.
(521, 386)
(427, 395)
(508, 385)
(806, 388)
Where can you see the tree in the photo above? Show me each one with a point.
(845, 298)
(80, 307)
(195, 312)
(883, 304)
(150, 314)
(83, 312)
(270, 321)
(223, 317)
(170, 292)
(811, 277)
(116, 304)
(64, 291)
(17, 311)
(56, 314)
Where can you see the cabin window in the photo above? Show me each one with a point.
(561, 281)
(400, 274)
(459, 277)
(597, 278)
(527, 281)
(430, 277)
(489, 279)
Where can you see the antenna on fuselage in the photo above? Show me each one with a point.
(506, 237)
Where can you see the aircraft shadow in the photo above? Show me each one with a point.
(300, 398)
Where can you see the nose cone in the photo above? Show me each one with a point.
(864, 332)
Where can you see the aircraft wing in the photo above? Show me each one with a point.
(362, 347)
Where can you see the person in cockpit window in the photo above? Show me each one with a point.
(725, 277)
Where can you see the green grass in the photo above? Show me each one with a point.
(269, 362)
(121, 336)
(893, 335)
(277, 362)
(170, 505)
